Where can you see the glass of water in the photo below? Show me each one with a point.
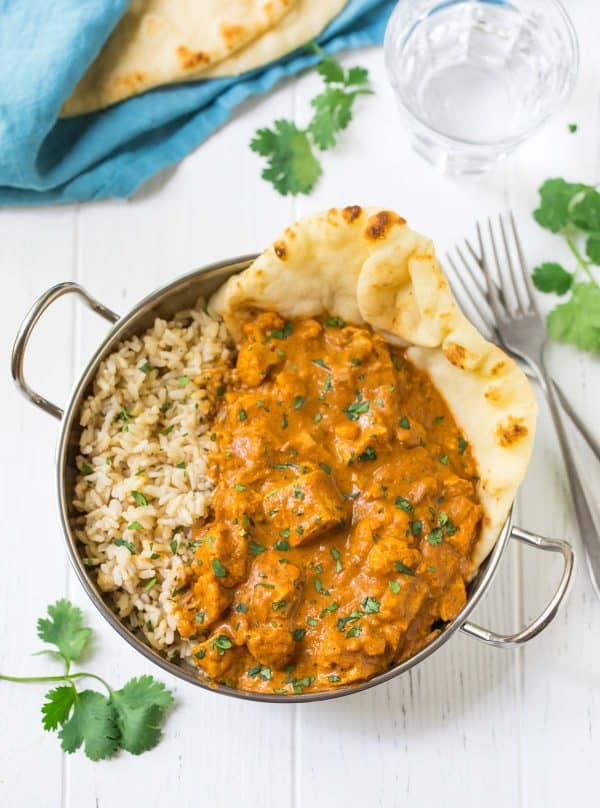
(477, 77)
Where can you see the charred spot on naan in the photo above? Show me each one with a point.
(381, 223)
(511, 431)
(191, 60)
(280, 248)
(351, 213)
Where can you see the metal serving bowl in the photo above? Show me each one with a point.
(165, 302)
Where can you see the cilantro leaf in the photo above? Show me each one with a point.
(140, 707)
(551, 277)
(357, 75)
(333, 113)
(57, 706)
(65, 629)
(130, 718)
(93, 724)
(592, 249)
(585, 211)
(578, 320)
(331, 71)
(292, 167)
(555, 198)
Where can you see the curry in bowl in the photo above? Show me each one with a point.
(291, 488)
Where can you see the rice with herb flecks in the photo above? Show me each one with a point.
(143, 480)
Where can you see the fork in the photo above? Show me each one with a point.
(481, 305)
(523, 331)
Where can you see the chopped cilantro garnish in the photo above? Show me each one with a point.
(320, 588)
(320, 363)
(356, 409)
(332, 607)
(351, 618)
(298, 634)
(242, 415)
(371, 605)
(325, 468)
(335, 322)
(416, 527)
(395, 587)
(218, 568)
(223, 643)
(135, 525)
(403, 504)
(436, 536)
(400, 567)
(282, 545)
(139, 499)
(255, 548)
(404, 423)
(368, 454)
(444, 459)
(282, 333)
(462, 444)
(146, 367)
(298, 402)
(125, 543)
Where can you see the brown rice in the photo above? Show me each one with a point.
(142, 469)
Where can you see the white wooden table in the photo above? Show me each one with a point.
(472, 725)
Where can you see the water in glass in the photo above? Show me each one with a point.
(476, 77)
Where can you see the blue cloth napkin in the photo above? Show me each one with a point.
(44, 50)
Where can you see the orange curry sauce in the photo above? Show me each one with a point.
(344, 515)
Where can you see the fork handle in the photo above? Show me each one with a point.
(586, 518)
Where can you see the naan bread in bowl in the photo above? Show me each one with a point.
(368, 266)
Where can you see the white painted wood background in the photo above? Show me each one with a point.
(471, 726)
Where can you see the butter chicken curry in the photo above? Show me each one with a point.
(344, 515)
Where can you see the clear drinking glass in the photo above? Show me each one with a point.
(477, 77)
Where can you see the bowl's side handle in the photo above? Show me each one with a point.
(26, 330)
(549, 613)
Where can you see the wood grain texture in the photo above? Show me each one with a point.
(472, 725)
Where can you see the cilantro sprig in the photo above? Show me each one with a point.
(573, 211)
(292, 167)
(129, 718)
